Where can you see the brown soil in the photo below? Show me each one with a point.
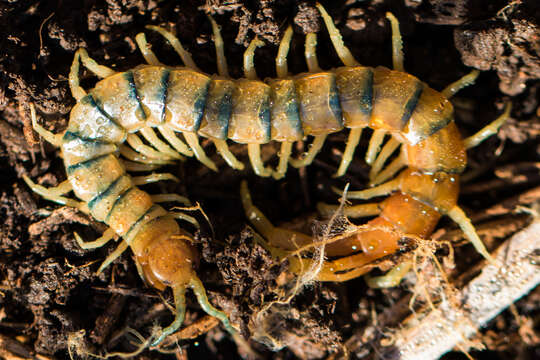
(49, 291)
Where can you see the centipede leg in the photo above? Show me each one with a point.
(374, 145)
(176, 44)
(465, 81)
(387, 150)
(146, 51)
(223, 149)
(282, 69)
(161, 198)
(343, 52)
(55, 193)
(380, 190)
(314, 149)
(113, 256)
(397, 43)
(391, 279)
(102, 71)
(284, 156)
(396, 165)
(129, 154)
(137, 167)
(352, 143)
(249, 68)
(55, 139)
(355, 211)
(254, 153)
(107, 236)
(193, 141)
(150, 135)
(490, 129)
(175, 142)
(459, 217)
(220, 52)
(185, 217)
(152, 178)
(310, 52)
(179, 293)
(136, 143)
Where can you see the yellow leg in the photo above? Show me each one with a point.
(391, 278)
(113, 256)
(355, 211)
(177, 45)
(397, 43)
(390, 170)
(342, 51)
(193, 141)
(150, 135)
(314, 149)
(220, 52)
(381, 190)
(161, 198)
(152, 178)
(55, 139)
(281, 59)
(136, 167)
(284, 156)
(374, 145)
(490, 129)
(249, 68)
(254, 153)
(107, 236)
(223, 149)
(136, 143)
(352, 143)
(465, 81)
(179, 293)
(465, 224)
(387, 150)
(129, 154)
(146, 50)
(55, 193)
(100, 70)
(175, 142)
(185, 217)
(311, 53)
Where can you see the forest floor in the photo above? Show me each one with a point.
(53, 305)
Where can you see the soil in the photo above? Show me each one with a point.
(54, 306)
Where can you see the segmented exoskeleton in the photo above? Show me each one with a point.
(185, 100)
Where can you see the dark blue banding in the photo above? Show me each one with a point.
(165, 75)
(224, 114)
(366, 101)
(104, 193)
(264, 117)
(411, 103)
(435, 127)
(153, 207)
(293, 114)
(90, 100)
(118, 201)
(133, 93)
(198, 108)
(335, 105)
(70, 136)
(85, 164)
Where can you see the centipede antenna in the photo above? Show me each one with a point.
(254, 153)
(284, 156)
(396, 165)
(161, 198)
(314, 149)
(113, 256)
(490, 129)
(76, 90)
(223, 69)
(282, 69)
(193, 141)
(387, 150)
(352, 143)
(150, 135)
(176, 143)
(391, 279)
(177, 45)
(99, 242)
(55, 139)
(130, 154)
(249, 54)
(146, 50)
(374, 145)
(200, 293)
(355, 211)
(179, 293)
(310, 52)
(225, 152)
(136, 143)
(459, 217)
(343, 52)
(465, 81)
(397, 43)
(152, 178)
(380, 190)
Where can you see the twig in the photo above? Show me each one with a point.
(513, 274)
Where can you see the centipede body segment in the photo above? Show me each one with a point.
(103, 142)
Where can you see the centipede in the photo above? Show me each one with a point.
(102, 145)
